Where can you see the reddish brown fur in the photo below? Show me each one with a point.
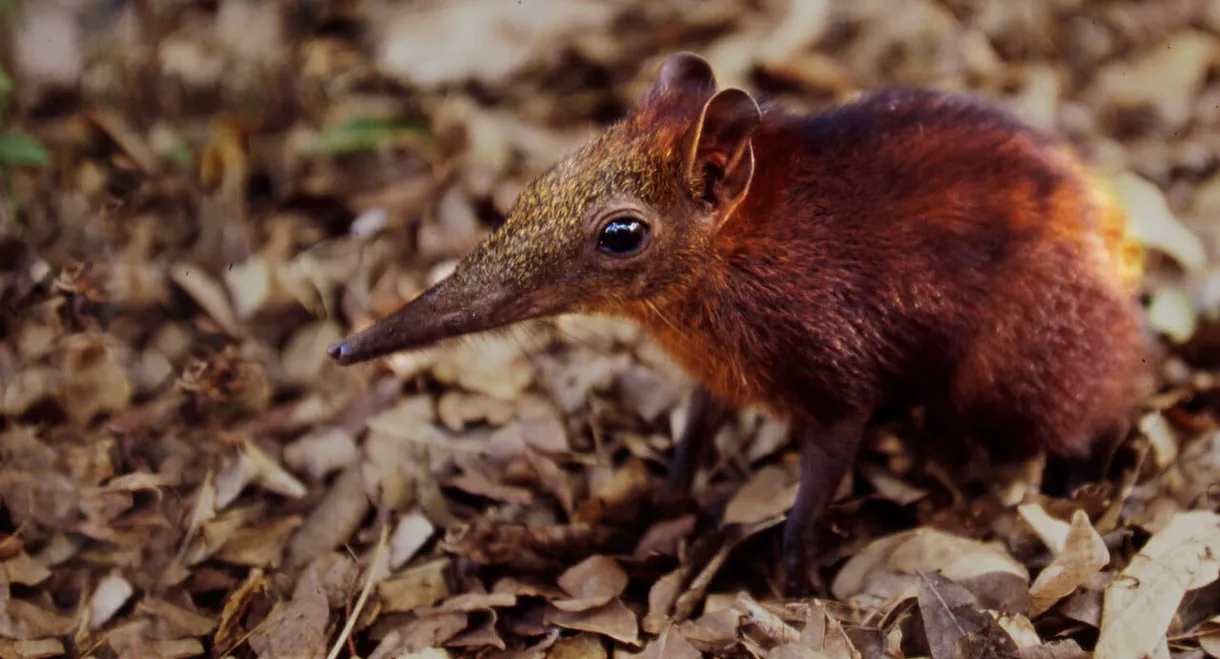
(910, 247)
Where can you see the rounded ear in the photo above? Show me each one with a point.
(685, 69)
(719, 158)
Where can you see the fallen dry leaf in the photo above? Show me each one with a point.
(617, 497)
(552, 477)
(456, 409)
(322, 451)
(21, 569)
(1084, 605)
(613, 620)
(954, 624)
(208, 294)
(333, 521)
(591, 583)
(297, 629)
(112, 594)
(410, 535)
(32, 649)
(769, 492)
(670, 644)
(481, 636)
(1139, 603)
(477, 482)
(1154, 224)
(889, 566)
(495, 366)
(1068, 649)
(767, 621)
(178, 621)
(1210, 643)
(893, 489)
(823, 633)
(662, 596)
(1052, 532)
(662, 538)
(269, 474)
(229, 630)
(714, 631)
(415, 588)
(474, 601)
(421, 636)
(259, 545)
(1083, 554)
(1020, 629)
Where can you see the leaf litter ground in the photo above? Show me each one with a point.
(185, 474)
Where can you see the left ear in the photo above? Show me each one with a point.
(719, 157)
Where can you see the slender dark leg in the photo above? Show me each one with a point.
(827, 454)
(706, 414)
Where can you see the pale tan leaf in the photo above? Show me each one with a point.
(1154, 224)
(297, 629)
(952, 618)
(415, 588)
(333, 521)
(111, 594)
(1084, 553)
(661, 598)
(770, 624)
(825, 634)
(260, 545)
(24, 570)
(1053, 532)
(1140, 603)
(269, 474)
(770, 491)
(591, 583)
(208, 294)
(322, 451)
(714, 631)
(613, 620)
(1210, 643)
(670, 644)
(177, 620)
(888, 566)
(581, 646)
(40, 648)
(410, 535)
(1172, 312)
(1020, 629)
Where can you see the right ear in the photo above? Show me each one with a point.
(719, 158)
(685, 69)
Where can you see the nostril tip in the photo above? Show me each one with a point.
(338, 351)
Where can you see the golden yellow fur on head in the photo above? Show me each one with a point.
(637, 159)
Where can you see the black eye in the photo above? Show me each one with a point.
(623, 236)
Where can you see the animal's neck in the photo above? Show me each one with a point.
(705, 329)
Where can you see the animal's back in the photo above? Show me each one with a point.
(915, 245)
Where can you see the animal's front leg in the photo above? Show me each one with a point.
(707, 412)
(828, 451)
